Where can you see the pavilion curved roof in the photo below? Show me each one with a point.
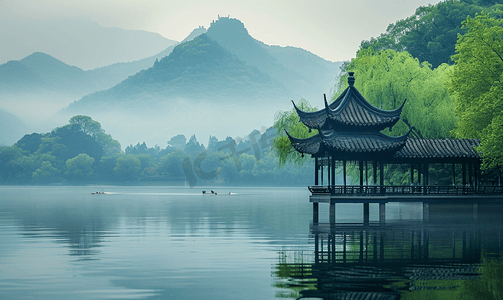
(347, 144)
(350, 111)
(439, 149)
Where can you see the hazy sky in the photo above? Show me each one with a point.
(332, 29)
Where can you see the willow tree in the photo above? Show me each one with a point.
(477, 85)
(387, 77)
(288, 120)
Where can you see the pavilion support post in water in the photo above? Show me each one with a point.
(426, 212)
(366, 213)
(475, 212)
(382, 213)
(316, 171)
(315, 212)
(332, 212)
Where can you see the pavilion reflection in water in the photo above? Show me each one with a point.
(384, 261)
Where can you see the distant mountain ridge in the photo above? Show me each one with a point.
(80, 42)
(197, 70)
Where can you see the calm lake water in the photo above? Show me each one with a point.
(254, 243)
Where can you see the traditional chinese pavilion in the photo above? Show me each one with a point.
(350, 129)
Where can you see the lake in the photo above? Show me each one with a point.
(143, 242)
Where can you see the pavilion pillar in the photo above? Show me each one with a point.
(316, 171)
(344, 174)
(381, 176)
(470, 174)
(464, 174)
(366, 173)
(374, 167)
(321, 171)
(453, 174)
(361, 174)
(329, 170)
(419, 171)
(412, 174)
(425, 179)
(333, 171)
(477, 175)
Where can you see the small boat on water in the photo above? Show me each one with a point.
(98, 193)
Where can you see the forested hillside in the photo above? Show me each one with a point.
(197, 70)
(431, 33)
(82, 153)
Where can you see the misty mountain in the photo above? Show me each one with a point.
(115, 73)
(305, 74)
(221, 83)
(41, 72)
(37, 86)
(196, 71)
(82, 43)
(11, 128)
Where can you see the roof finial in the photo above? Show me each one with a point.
(351, 78)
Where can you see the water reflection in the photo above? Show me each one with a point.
(398, 259)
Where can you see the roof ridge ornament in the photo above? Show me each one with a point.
(351, 78)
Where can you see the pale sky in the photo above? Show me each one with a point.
(332, 29)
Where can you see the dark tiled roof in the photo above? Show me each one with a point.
(439, 148)
(403, 147)
(335, 142)
(349, 110)
(308, 146)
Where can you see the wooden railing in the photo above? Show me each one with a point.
(356, 190)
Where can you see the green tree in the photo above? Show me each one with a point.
(6, 155)
(128, 167)
(386, 78)
(178, 141)
(79, 167)
(289, 121)
(87, 125)
(477, 83)
(46, 173)
(93, 128)
(171, 164)
(430, 34)
(193, 146)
